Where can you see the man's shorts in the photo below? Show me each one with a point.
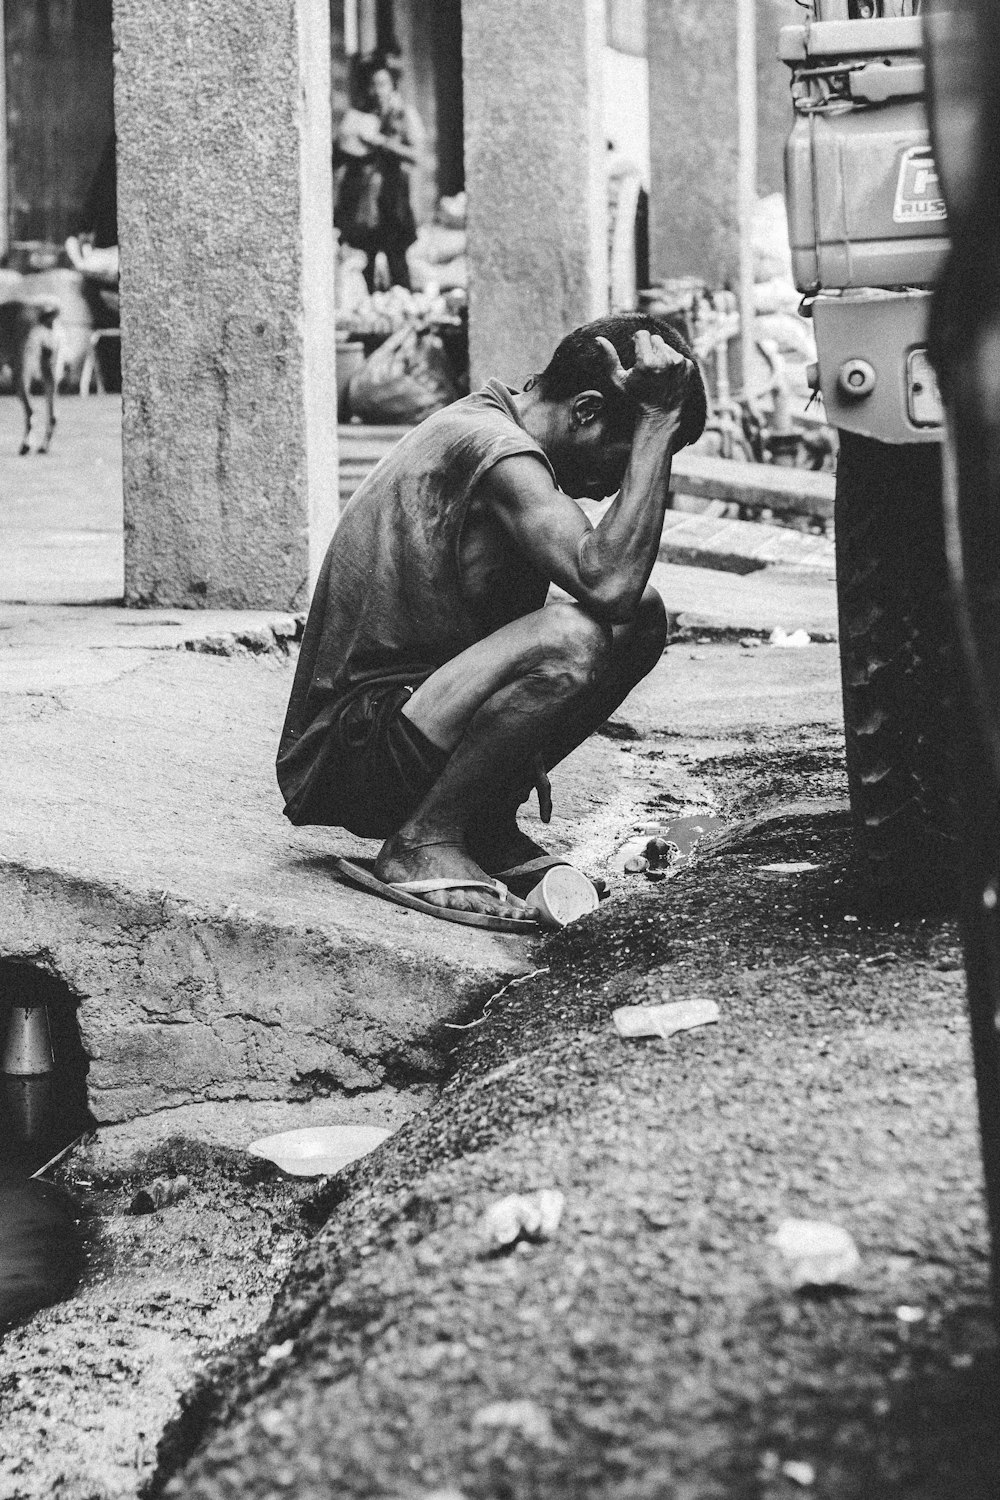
(385, 764)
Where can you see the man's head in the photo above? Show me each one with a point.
(592, 442)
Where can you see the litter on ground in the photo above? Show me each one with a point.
(799, 1472)
(815, 1253)
(160, 1193)
(533, 1216)
(788, 867)
(907, 1314)
(790, 642)
(664, 1020)
(275, 1353)
(319, 1150)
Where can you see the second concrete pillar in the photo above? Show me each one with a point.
(536, 177)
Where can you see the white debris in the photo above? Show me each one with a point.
(319, 1150)
(907, 1314)
(534, 1215)
(799, 1472)
(789, 867)
(816, 1253)
(793, 642)
(525, 1417)
(664, 1020)
(275, 1353)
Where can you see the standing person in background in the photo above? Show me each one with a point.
(378, 147)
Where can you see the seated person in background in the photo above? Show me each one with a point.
(435, 687)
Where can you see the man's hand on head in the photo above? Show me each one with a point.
(658, 381)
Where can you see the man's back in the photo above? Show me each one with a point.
(389, 606)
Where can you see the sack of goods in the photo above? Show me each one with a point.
(406, 379)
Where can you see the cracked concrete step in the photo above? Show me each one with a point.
(145, 862)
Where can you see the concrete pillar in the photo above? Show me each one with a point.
(225, 217)
(535, 174)
(693, 223)
(693, 209)
(4, 225)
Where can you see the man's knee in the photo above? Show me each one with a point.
(651, 621)
(576, 647)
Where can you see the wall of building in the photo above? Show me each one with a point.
(60, 112)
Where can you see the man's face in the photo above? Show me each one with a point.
(588, 464)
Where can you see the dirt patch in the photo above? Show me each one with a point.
(777, 769)
(650, 1349)
(86, 1385)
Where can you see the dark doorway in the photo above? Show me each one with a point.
(60, 112)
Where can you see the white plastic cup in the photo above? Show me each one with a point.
(562, 895)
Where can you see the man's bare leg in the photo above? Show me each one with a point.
(496, 840)
(529, 689)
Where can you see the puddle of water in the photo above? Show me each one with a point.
(43, 1108)
(40, 1251)
(689, 831)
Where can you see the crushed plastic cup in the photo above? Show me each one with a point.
(533, 1216)
(815, 1253)
(562, 896)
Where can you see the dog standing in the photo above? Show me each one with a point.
(29, 344)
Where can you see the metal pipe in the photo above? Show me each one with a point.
(746, 94)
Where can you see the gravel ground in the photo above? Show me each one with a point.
(651, 1347)
(86, 1385)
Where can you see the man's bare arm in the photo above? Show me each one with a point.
(606, 569)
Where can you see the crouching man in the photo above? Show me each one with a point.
(435, 687)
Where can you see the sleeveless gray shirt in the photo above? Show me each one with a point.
(389, 606)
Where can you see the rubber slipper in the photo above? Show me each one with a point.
(402, 894)
(425, 887)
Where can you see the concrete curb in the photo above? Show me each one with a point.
(702, 541)
(741, 546)
(179, 1004)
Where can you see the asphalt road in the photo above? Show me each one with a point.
(652, 1346)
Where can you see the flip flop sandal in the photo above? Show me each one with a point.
(408, 892)
(524, 877)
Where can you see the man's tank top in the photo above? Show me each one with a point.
(389, 606)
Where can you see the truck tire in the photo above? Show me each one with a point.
(897, 668)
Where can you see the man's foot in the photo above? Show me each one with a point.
(500, 850)
(398, 861)
(497, 849)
